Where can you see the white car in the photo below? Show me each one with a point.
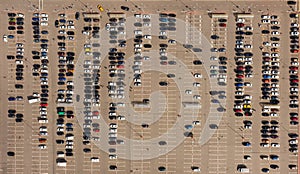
(198, 75)
(248, 28)
(265, 16)
(19, 45)
(247, 46)
(113, 125)
(213, 67)
(275, 93)
(237, 107)
(60, 129)
(71, 27)
(294, 33)
(138, 32)
(265, 21)
(44, 19)
(273, 114)
(239, 93)
(275, 55)
(295, 64)
(171, 41)
(69, 147)
(20, 15)
(264, 145)
(196, 84)
(266, 43)
(274, 22)
(147, 37)
(44, 83)
(240, 20)
(275, 33)
(120, 117)
(248, 84)
(44, 15)
(44, 23)
(275, 145)
(294, 25)
(5, 38)
(43, 128)
(196, 122)
(197, 97)
(19, 62)
(42, 146)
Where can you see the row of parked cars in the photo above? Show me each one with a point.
(65, 59)
(65, 115)
(116, 87)
(294, 83)
(40, 69)
(15, 22)
(244, 69)
(91, 86)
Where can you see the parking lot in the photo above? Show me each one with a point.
(59, 86)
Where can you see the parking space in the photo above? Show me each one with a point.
(253, 62)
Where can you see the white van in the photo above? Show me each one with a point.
(244, 170)
(95, 159)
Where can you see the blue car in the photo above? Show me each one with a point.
(44, 53)
(163, 19)
(62, 21)
(247, 144)
(62, 79)
(265, 76)
(11, 99)
(239, 84)
(69, 125)
(10, 36)
(35, 19)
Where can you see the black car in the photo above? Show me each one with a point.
(56, 23)
(77, 15)
(113, 167)
(18, 86)
(44, 32)
(163, 83)
(9, 153)
(274, 39)
(10, 57)
(60, 141)
(125, 8)
(291, 2)
(11, 28)
(197, 62)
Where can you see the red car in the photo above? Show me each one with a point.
(294, 118)
(294, 51)
(294, 80)
(240, 76)
(12, 23)
(240, 68)
(293, 68)
(44, 104)
(238, 110)
(222, 25)
(96, 130)
(266, 80)
(95, 113)
(240, 24)
(120, 66)
(266, 58)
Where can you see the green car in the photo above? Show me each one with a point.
(61, 113)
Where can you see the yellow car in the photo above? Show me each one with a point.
(87, 49)
(247, 106)
(100, 8)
